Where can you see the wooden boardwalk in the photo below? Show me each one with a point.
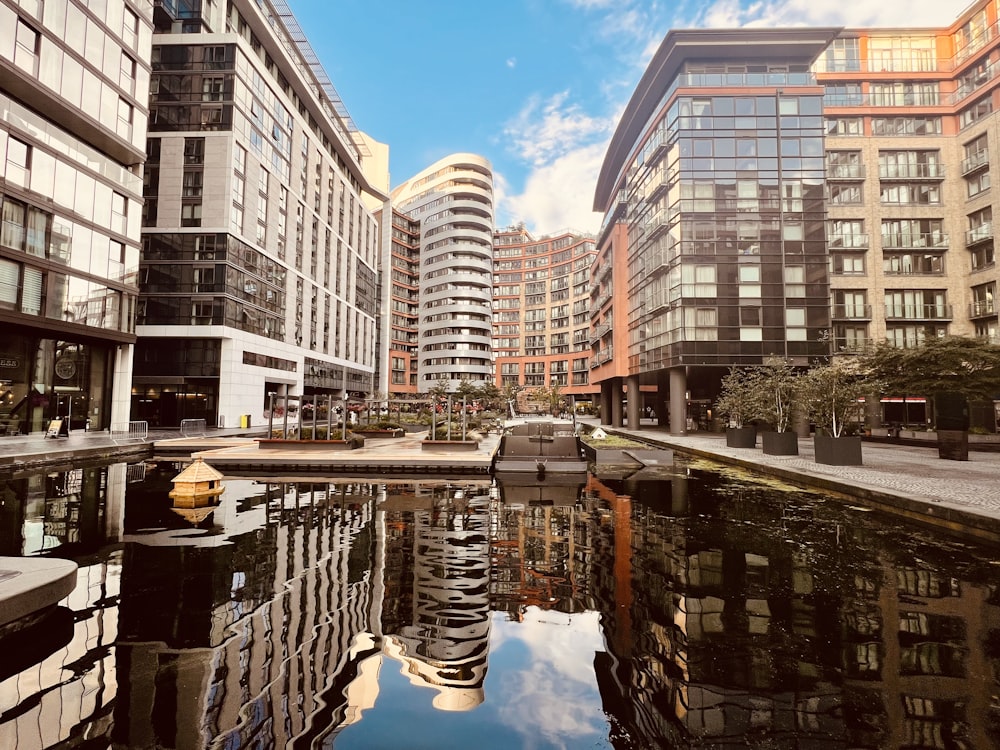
(398, 457)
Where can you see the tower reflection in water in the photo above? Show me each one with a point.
(732, 612)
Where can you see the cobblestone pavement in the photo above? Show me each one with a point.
(912, 474)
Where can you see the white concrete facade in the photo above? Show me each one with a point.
(453, 200)
(267, 169)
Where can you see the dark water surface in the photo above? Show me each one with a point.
(691, 606)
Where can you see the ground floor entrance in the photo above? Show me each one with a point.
(42, 379)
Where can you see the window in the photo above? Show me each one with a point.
(842, 264)
(126, 73)
(701, 323)
(984, 299)
(18, 163)
(845, 195)
(10, 273)
(975, 112)
(977, 183)
(795, 277)
(26, 41)
(795, 324)
(924, 195)
(904, 94)
(191, 214)
(194, 150)
(130, 28)
(192, 183)
(12, 228)
(119, 216)
(904, 264)
(124, 126)
(841, 56)
(906, 125)
(844, 126)
(749, 276)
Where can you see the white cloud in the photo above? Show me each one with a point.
(558, 195)
(564, 148)
(555, 697)
(544, 131)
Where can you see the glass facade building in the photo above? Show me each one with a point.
(797, 192)
(259, 254)
(74, 77)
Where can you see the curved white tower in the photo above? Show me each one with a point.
(453, 200)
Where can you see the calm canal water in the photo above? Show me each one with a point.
(687, 606)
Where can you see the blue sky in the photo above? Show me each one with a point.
(535, 86)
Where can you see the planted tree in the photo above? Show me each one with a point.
(968, 366)
(740, 396)
(829, 394)
(953, 370)
(776, 383)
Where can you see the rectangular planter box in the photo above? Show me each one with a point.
(741, 437)
(780, 443)
(953, 444)
(838, 451)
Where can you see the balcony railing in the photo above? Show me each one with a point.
(911, 171)
(982, 233)
(982, 308)
(910, 241)
(852, 312)
(598, 333)
(917, 312)
(975, 161)
(847, 241)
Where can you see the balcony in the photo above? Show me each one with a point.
(911, 171)
(917, 312)
(983, 308)
(982, 233)
(847, 241)
(976, 161)
(845, 171)
(599, 332)
(915, 241)
(852, 312)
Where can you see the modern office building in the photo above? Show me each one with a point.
(541, 312)
(259, 254)
(453, 202)
(794, 192)
(74, 77)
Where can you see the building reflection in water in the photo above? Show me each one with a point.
(755, 614)
(732, 612)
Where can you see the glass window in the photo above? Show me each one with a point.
(18, 162)
(9, 277)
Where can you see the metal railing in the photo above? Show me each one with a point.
(193, 427)
(137, 430)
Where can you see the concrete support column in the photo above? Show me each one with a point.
(634, 406)
(662, 403)
(617, 395)
(678, 401)
(120, 398)
(606, 390)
